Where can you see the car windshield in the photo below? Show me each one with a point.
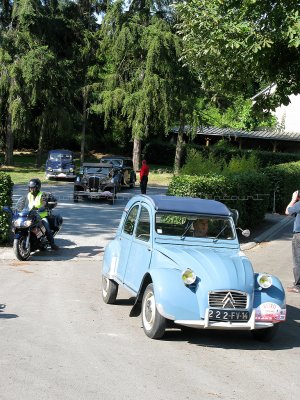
(184, 225)
(96, 170)
(60, 156)
(115, 163)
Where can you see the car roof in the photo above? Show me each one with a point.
(97, 165)
(60, 151)
(188, 205)
(115, 158)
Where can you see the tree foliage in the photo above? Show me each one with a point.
(233, 42)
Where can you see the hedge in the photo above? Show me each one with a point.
(163, 153)
(284, 179)
(6, 188)
(246, 192)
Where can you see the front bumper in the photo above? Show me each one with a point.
(94, 195)
(60, 174)
(225, 325)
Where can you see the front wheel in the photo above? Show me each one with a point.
(154, 324)
(109, 290)
(265, 334)
(21, 252)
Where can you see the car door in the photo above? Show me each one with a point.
(125, 240)
(140, 251)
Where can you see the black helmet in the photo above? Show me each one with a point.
(34, 183)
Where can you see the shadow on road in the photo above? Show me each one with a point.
(6, 316)
(287, 337)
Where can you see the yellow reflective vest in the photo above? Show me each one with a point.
(37, 203)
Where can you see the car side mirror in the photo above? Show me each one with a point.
(245, 232)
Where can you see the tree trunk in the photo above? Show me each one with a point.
(9, 145)
(179, 146)
(83, 130)
(39, 156)
(136, 156)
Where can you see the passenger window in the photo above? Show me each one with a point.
(143, 226)
(130, 220)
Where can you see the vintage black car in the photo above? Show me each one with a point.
(60, 165)
(97, 181)
(125, 165)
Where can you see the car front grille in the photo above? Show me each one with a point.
(227, 299)
(94, 183)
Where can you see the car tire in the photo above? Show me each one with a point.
(109, 290)
(265, 334)
(154, 324)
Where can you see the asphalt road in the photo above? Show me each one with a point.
(60, 341)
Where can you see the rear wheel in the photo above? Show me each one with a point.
(21, 252)
(154, 324)
(109, 290)
(266, 334)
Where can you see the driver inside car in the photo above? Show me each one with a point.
(200, 227)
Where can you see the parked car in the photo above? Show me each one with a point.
(60, 164)
(97, 181)
(125, 165)
(181, 259)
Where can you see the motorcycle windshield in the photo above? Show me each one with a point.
(22, 203)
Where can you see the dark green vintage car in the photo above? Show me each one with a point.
(97, 181)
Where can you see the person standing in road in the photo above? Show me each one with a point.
(144, 172)
(293, 208)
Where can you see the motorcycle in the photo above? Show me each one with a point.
(29, 232)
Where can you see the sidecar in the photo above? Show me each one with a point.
(186, 277)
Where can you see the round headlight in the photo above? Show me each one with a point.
(71, 169)
(188, 276)
(28, 222)
(264, 281)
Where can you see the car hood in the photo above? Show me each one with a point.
(60, 164)
(216, 268)
(97, 176)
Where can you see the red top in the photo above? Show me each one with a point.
(144, 171)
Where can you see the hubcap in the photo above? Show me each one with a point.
(149, 311)
(105, 284)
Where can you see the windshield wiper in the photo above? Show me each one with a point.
(186, 229)
(221, 231)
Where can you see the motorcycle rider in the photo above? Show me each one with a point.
(37, 200)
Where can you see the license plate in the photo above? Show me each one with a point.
(228, 315)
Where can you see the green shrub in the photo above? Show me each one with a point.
(242, 164)
(198, 164)
(284, 179)
(163, 153)
(6, 187)
(247, 192)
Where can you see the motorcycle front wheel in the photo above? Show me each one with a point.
(21, 252)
